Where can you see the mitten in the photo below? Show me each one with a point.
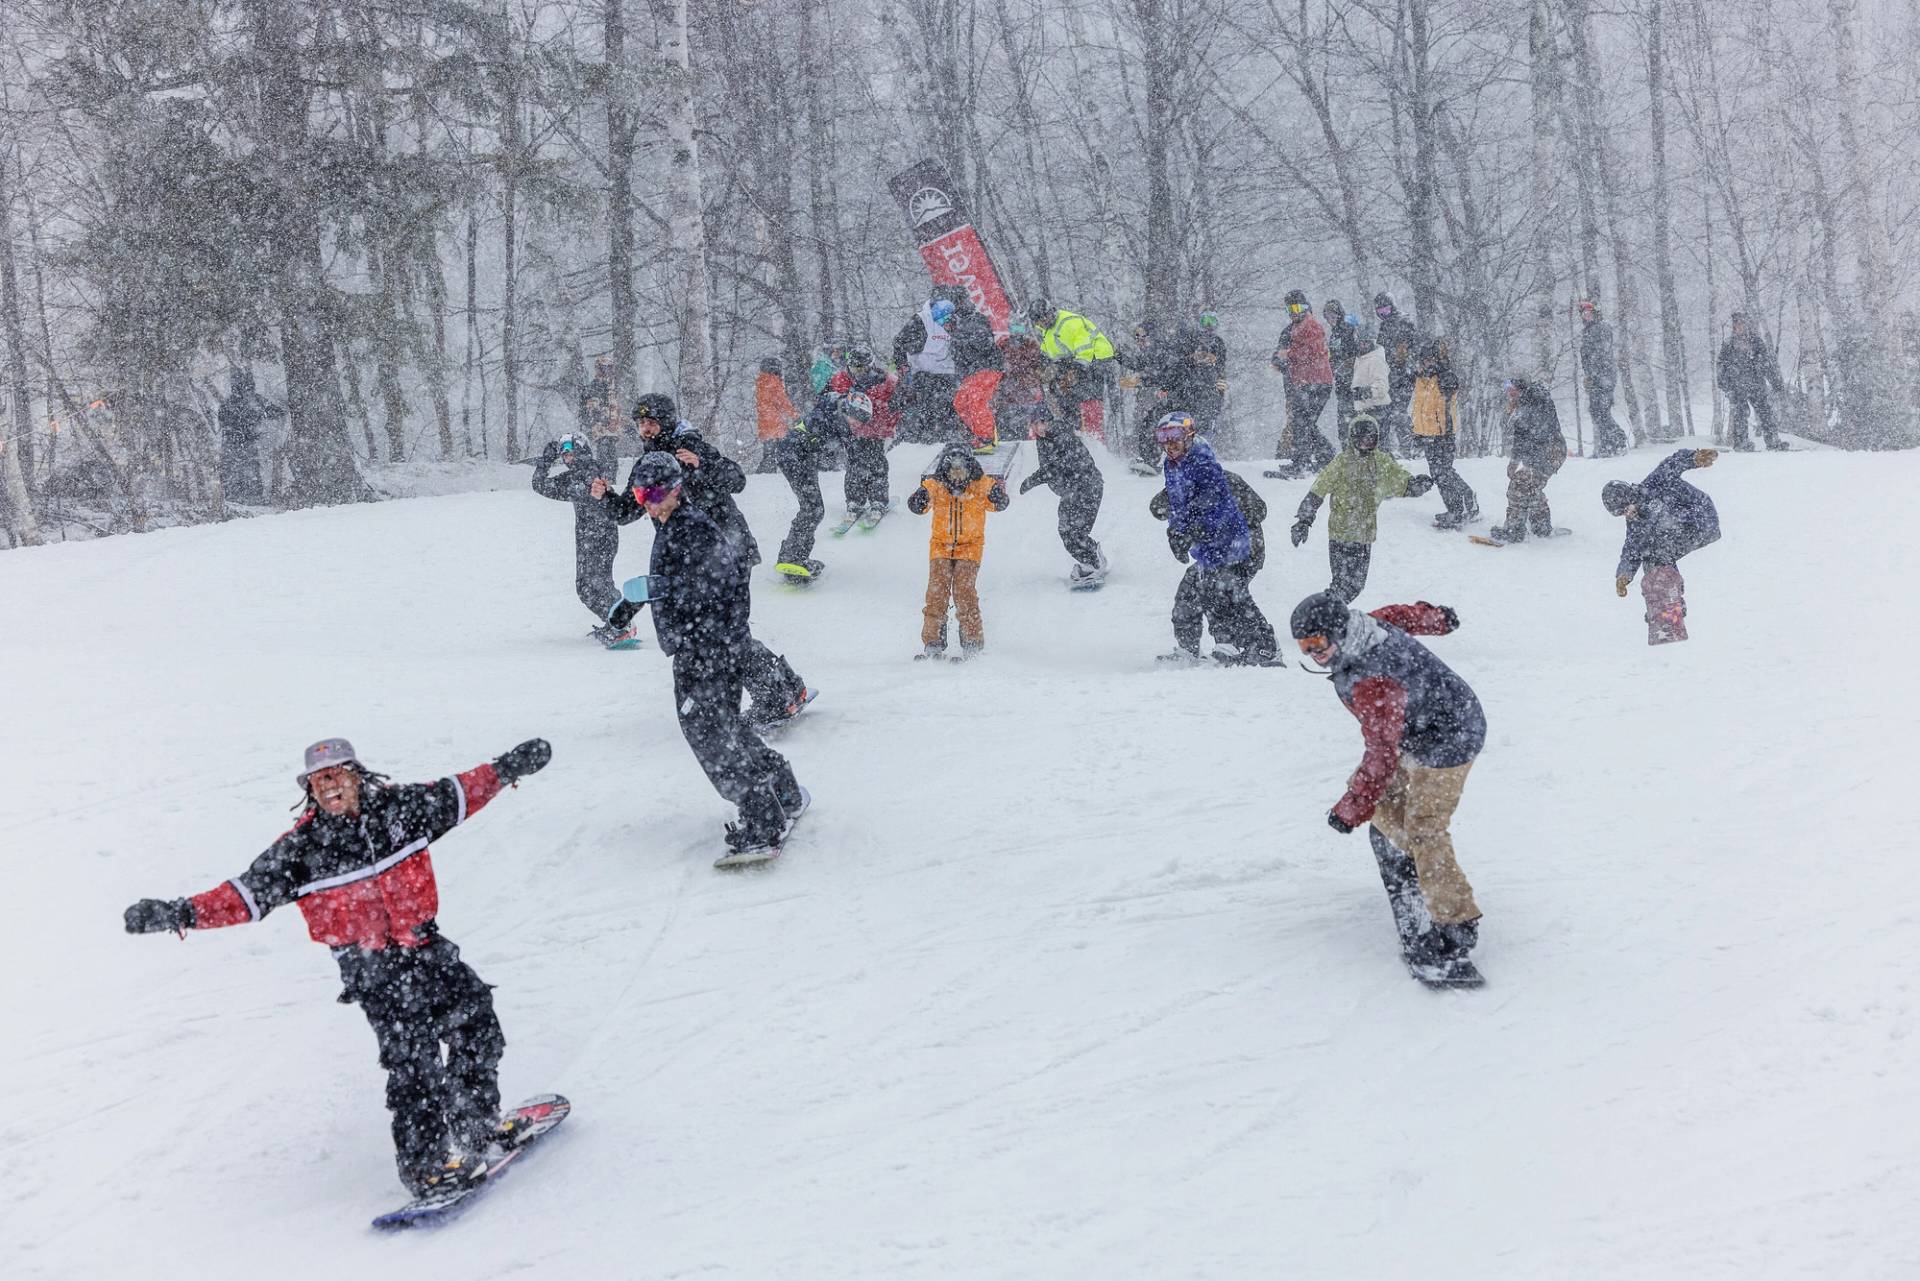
(159, 916)
(529, 758)
(1620, 585)
(1300, 528)
(1418, 485)
(1705, 457)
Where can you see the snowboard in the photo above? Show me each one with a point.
(800, 575)
(520, 1128)
(1087, 584)
(871, 520)
(767, 853)
(606, 639)
(840, 527)
(1488, 540)
(1411, 922)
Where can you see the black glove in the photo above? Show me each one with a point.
(1453, 619)
(1035, 479)
(1418, 485)
(159, 916)
(1300, 528)
(552, 451)
(529, 758)
(1339, 824)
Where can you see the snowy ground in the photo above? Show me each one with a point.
(1064, 975)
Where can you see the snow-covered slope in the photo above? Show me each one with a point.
(1064, 976)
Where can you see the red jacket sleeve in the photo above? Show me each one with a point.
(220, 906)
(1417, 619)
(477, 786)
(1381, 706)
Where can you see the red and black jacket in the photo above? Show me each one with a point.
(362, 880)
(1405, 699)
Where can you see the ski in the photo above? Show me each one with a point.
(845, 523)
(870, 521)
(754, 855)
(520, 1128)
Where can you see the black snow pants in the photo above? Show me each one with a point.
(803, 476)
(1304, 403)
(419, 999)
(768, 679)
(1454, 490)
(1608, 438)
(240, 469)
(1349, 562)
(1222, 600)
(1078, 509)
(1761, 407)
(594, 547)
(866, 473)
(742, 768)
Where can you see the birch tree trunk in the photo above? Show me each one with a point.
(684, 203)
(1673, 347)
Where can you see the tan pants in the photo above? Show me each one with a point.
(952, 581)
(1413, 813)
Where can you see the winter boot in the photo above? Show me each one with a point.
(1449, 520)
(930, 651)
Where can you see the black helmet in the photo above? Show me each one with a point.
(1361, 427)
(1618, 495)
(657, 470)
(1383, 301)
(658, 406)
(1041, 312)
(770, 365)
(1321, 614)
(1297, 296)
(857, 355)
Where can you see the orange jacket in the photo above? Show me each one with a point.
(772, 410)
(959, 520)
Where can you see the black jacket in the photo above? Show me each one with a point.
(973, 345)
(698, 579)
(1192, 386)
(1402, 344)
(1343, 345)
(1534, 437)
(1066, 466)
(592, 519)
(710, 486)
(1747, 373)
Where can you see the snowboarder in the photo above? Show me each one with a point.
(356, 861)
(1423, 727)
(1400, 340)
(1063, 334)
(958, 492)
(1148, 370)
(240, 417)
(596, 534)
(1193, 380)
(1067, 468)
(1189, 606)
(1302, 356)
(1203, 515)
(1536, 449)
(1360, 478)
(1666, 519)
(1749, 375)
(1602, 373)
(802, 454)
(711, 479)
(867, 479)
(773, 412)
(697, 585)
(1435, 423)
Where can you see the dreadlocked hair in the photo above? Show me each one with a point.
(367, 777)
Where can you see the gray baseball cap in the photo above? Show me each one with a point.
(325, 754)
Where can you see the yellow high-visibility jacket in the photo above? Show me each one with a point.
(1072, 334)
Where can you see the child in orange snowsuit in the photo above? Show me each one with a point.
(958, 492)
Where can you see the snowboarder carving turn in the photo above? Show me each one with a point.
(1423, 728)
(356, 861)
(1666, 519)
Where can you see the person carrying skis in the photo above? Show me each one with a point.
(1423, 728)
(867, 475)
(1602, 373)
(1064, 334)
(1202, 515)
(697, 585)
(1536, 449)
(1067, 468)
(802, 454)
(711, 481)
(1749, 375)
(959, 493)
(1360, 478)
(596, 535)
(356, 861)
(1400, 340)
(773, 412)
(1302, 356)
(1666, 519)
(1435, 423)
